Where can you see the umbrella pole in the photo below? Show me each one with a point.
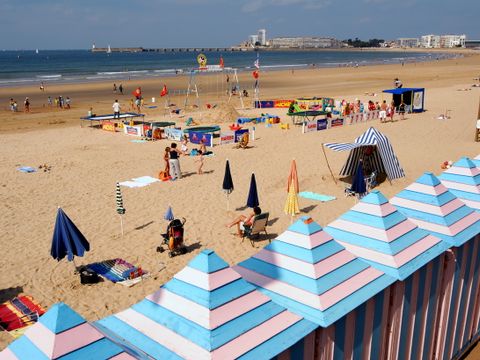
(228, 203)
(328, 165)
(121, 224)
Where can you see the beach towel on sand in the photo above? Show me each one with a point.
(19, 313)
(27, 169)
(118, 271)
(315, 196)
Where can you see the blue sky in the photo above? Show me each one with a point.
(68, 24)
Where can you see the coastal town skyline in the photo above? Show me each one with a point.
(213, 23)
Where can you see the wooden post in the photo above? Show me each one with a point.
(329, 168)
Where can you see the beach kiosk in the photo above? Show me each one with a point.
(414, 98)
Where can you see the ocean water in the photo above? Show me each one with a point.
(24, 67)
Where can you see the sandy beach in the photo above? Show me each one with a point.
(86, 163)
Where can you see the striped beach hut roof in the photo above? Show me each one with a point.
(61, 333)
(378, 233)
(208, 311)
(476, 161)
(430, 205)
(463, 181)
(384, 160)
(305, 270)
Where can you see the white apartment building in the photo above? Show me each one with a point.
(303, 42)
(442, 41)
(253, 39)
(407, 42)
(262, 37)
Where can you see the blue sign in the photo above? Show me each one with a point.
(239, 134)
(199, 137)
(322, 124)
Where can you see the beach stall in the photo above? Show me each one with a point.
(100, 120)
(208, 311)
(61, 333)
(413, 98)
(462, 179)
(376, 152)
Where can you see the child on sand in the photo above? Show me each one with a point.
(200, 161)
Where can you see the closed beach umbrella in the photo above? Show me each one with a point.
(67, 239)
(169, 214)
(358, 184)
(291, 205)
(293, 178)
(119, 199)
(227, 182)
(252, 200)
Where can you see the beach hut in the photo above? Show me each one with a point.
(208, 311)
(375, 150)
(62, 333)
(430, 205)
(414, 98)
(463, 180)
(375, 231)
(308, 272)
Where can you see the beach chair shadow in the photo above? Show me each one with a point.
(194, 246)
(10, 293)
(307, 209)
(259, 226)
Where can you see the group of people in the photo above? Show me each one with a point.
(60, 102)
(14, 105)
(172, 158)
(120, 89)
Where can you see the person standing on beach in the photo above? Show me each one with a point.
(114, 88)
(120, 88)
(49, 101)
(42, 87)
(26, 103)
(383, 111)
(391, 111)
(174, 162)
(12, 102)
(116, 109)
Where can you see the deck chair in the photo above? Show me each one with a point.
(371, 181)
(259, 225)
(243, 143)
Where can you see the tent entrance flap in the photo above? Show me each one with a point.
(375, 150)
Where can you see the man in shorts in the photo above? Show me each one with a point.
(116, 109)
(383, 111)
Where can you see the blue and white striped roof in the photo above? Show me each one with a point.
(384, 160)
(305, 270)
(463, 181)
(208, 311)
(378, 233)
(63, 334)
(430, 205)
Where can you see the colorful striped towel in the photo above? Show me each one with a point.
(315, 196)
(18, 313)
(116, 270)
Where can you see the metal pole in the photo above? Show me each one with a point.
(328, 165)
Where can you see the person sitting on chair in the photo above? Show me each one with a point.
(244, 221)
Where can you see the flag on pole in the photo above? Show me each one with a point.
(118, 194)
(222, 64)
(256, 63)
(164, 90)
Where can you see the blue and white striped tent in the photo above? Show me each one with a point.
(382, 159)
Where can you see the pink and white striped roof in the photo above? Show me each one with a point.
(430, 205)
(378, 233)
(305, 270)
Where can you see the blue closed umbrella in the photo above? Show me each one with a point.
(227, 182)
(252, 193)
(358, 184)
(67, 239)
(169, 214)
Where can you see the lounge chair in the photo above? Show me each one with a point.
(259, 225)
(243, 143)
(371, 181)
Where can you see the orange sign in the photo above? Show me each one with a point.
(282, 103)
(108, 126)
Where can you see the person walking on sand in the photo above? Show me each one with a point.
(174, 162)
(42, 87)
(26, 103)
(401, 110)
(391, 111)
(116, 109)
(114, 88)
(120, 88)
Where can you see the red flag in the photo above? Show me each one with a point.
(137, 92)
(222, 64)
(164, 90)
(255, 74)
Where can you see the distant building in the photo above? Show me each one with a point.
(442, 41)
(407, 42)
(253, 39)
(262, 37)
(304, 42)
